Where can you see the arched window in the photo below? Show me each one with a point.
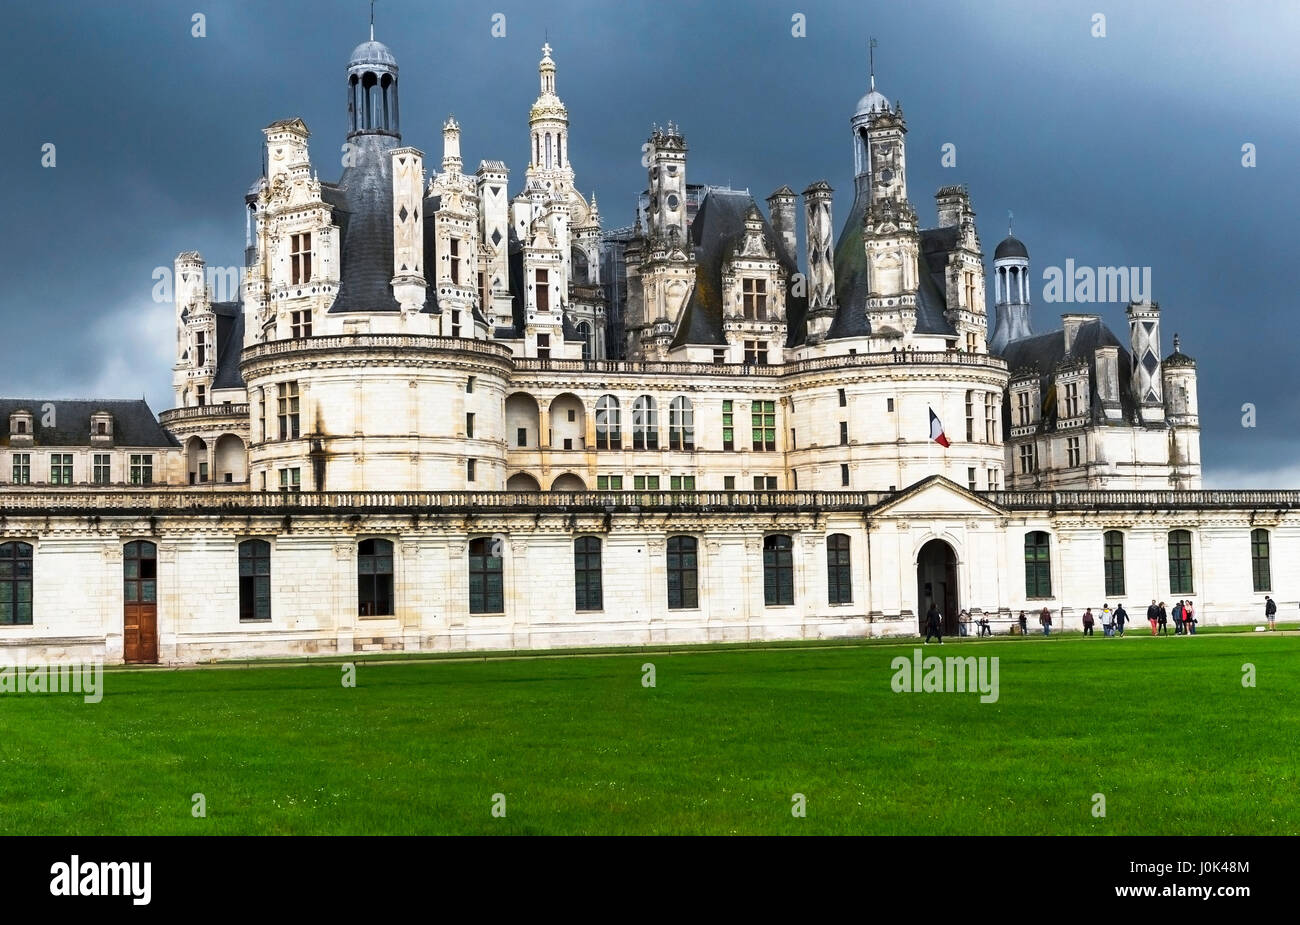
(839, 576)
(645, 424)
(683, 573)
(1038, 564)
(1180, 562)
(681, 424)
(375, 578)
(255, 580)
(588, 594)
(486, 588)
(1260, 570)
(1113, 543)
(609, 435)
(778, 570)
(584, 330)
(548, 149)
(15, 584)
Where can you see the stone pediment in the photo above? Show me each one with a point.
(936, 496)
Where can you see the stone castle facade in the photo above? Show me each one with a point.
(444, 417)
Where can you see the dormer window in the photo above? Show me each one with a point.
(543, 291)
(201, 349)
(754, 295)
(101, 427)
(21, 428)
(300, 258)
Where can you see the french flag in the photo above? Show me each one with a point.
(936, 429)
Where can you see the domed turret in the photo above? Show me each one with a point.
(1011, 293)
(372, 90)
(1011, 247)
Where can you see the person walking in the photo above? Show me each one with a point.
(1162, 618)
(1153, 616)
(932, 625)
(963, 622)
(1178, 619)
(1270, 612)
(1024, 624)
(1189, 616)
(1107, 620)
(1045, 618)
(1087, 622)
(1121, 617)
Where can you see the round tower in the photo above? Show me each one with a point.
(1011, 293)
(372, 90)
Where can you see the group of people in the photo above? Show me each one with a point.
(982, 624)
(1112, 621)
(1184, 615)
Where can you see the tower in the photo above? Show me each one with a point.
(1144, 344)
(1183, 418)
(821, 271)
(1011, 293)
(196, 332)
(408, 228)
(668, 184)
(548, 124)
(890, 231)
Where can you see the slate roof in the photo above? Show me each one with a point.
(1045, 352)
(363, 208)
(134, 424)
(851, 287)
(719, 225)
(1011, 247)
(230, 343)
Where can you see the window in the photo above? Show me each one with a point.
(844, 475)
(141, 469)
(469, 384)
(486, 589)
(844, 398)
(288, 410)
(375, 578)
(471, 469)
(60, 468)
(839, 576)
(794, 479)
(255, 580)
(203, 395)
(453, 250)
(102, 474)
(844, 433)
(993, 480)
(728, 432)
(140, 572)
(645, 424)
(645, 482)
(609, 435)
(1259, 567)
(728, 483)
(1071, 399)
(681, 424)
(586, 574)
(778, 570)
(203, 471)
(970, 417)
(521, 436)
(20, 426)
(794, 443)
(1180, 562)
(889, 405)
(763, 415)
(469, 425)
(1023, 409)
(971, 339)
(1113, 545)
(683, 573)
(15, 584)
(970, 478)
(1072, 451)
(291, 479)
(584, 331)
(1028, 459)
(22, 468)
(719, 355)
(300, 323)
(765, 483)
(543, 291)
(300, 258)
(1038, 565)
(991, 407)
(682, 483)
(609, 483)
(484, 294)
(756, 352)
(754, 298)
(201, 349)
(543, 346)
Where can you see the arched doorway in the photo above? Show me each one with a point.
(522, 481)
(568, 482)
(196, 456)
(936, 580)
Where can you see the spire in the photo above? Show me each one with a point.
(871, 50)
(1010, 218)
(372, 20)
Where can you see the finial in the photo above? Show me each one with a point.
(1010, 217)
(1177, 345)
(546, 50)
(871, 52)
(372, 20)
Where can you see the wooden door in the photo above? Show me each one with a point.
(140, 595)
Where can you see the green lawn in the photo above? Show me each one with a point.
(1163, 728)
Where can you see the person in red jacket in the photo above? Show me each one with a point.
(1087, 622)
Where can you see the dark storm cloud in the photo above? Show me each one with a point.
(1123, 150)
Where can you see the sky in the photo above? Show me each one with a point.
(1122, 149)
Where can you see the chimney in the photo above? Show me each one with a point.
(1072, 323)
(780, 206)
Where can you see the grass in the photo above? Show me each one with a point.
(1163, 729)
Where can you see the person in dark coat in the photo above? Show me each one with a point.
(1087, 622)
(1162, 618)
(1153, 617)
(1045, 619)
(1121, 617)
(1270, 612)
(1024, 624)
(933, 625)
(1178, 619)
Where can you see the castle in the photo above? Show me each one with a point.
(442, 417)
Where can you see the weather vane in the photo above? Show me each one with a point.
(1010, 218)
